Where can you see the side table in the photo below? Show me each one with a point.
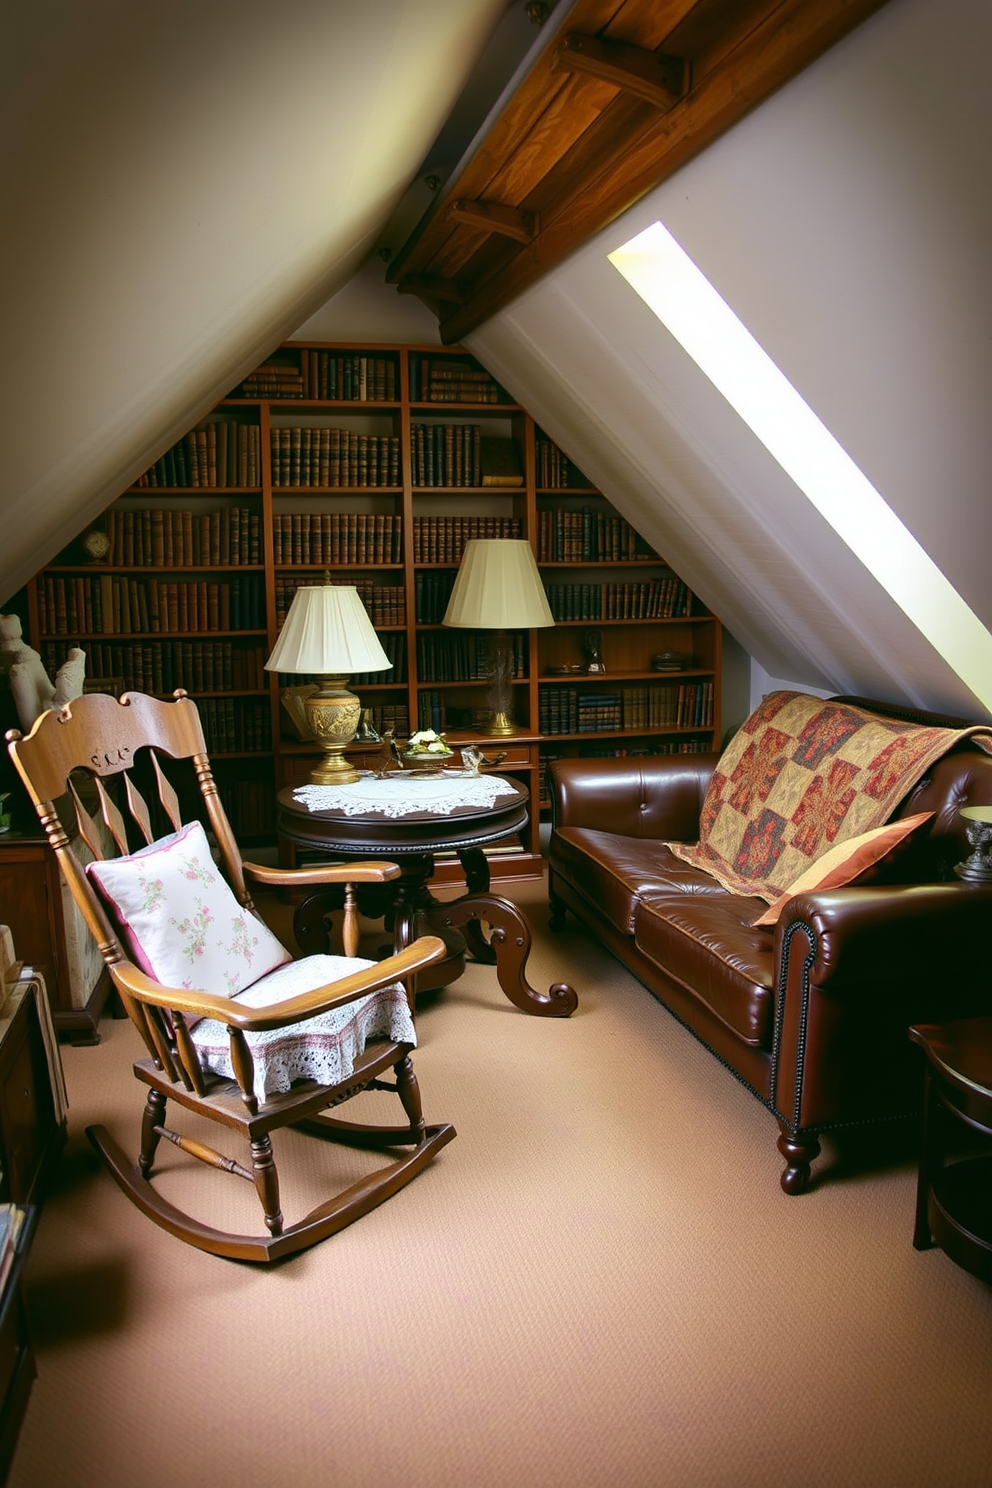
(411, 840)
(954, 1197)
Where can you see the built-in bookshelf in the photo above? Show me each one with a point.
(374, 466)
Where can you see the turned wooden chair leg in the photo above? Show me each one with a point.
(409, 1093)
(267, 1183)
(152, 1117)
(800, 1152)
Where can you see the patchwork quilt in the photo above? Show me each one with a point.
(801, 775)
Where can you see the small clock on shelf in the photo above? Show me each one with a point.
(96, 545)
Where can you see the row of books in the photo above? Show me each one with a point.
(236, 725)
(395, 716)
(567, 710)
(386, 603)
(324, 375)
(689, 705)
(462, 656)
(554, 470)
(431, 593)
(446, 454)
(249, 803)
(110, 604)
(159, 538)
(653, 599)
(222, 453)
(305, 456)
(337, 537)
(451, 380)
(431, 711)
(159, 666)
(443, 539)
(394, 645)
(588, 536)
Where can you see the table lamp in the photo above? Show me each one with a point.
(328, 634)
(498, 588)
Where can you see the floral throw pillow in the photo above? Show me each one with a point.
(179, 920)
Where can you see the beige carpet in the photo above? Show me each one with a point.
(599, 1282)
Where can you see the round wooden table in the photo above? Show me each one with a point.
(407, 903)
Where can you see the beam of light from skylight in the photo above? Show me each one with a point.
(685, 302)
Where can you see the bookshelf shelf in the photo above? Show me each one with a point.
(437, 453)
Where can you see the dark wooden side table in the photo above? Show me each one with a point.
(409, 906)
(954, 1197)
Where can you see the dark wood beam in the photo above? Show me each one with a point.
(511, 222)
(787, 35)
(432, 287)
(658, 79)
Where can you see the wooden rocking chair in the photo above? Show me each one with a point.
(274, 1042)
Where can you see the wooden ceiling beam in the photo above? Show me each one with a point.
(657, 78)
(577, 148)
(510, 222)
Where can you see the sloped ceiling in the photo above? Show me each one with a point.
(184, 182)
(852, 232)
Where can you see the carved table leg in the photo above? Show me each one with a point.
(476, 866)
(511, 941)
(311, 920)
(799, 1152)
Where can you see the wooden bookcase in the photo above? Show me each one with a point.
(377, 463)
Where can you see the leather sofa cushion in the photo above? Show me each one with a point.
(614, 872)
(706, 942)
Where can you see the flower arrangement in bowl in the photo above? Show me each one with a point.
(426, 752)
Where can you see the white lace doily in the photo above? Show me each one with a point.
(403, 795)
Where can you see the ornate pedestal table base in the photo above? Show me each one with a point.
(407, 821)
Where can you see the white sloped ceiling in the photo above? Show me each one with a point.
(184, 182)
(850, 226)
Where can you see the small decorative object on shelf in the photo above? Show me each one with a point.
(5, 816)
(666, 661)
(593, 647)
(978, 867)
(96, 545)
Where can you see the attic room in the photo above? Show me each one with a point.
(610, 1276)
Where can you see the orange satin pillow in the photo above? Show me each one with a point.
(846, 861)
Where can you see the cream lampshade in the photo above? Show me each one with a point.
(498, 588)
(328, 634)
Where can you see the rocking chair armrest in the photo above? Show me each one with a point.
(198, 1004)
(372, 871)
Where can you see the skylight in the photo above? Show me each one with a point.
(683, 299)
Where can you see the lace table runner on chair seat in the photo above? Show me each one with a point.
(323, 1048)
(400, 794)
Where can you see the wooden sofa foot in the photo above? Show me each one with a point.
(799, 1153)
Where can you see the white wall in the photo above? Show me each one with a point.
(848, 220)
(184, 182)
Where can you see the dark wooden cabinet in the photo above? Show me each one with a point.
(31, 904)
(32, 1131)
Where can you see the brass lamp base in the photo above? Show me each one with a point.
(333, 713)
(498, 726)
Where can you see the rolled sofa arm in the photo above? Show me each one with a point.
(637, 796)
(854, 968)
(913, 931)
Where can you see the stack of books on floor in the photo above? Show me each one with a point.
(12, 1219)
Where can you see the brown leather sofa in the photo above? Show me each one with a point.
(811, 1015)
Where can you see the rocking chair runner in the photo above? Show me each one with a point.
(275, 1042)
